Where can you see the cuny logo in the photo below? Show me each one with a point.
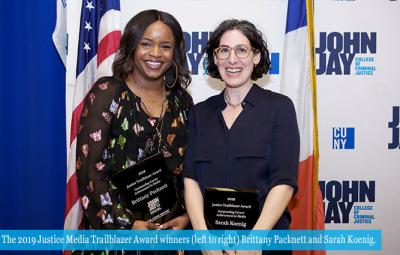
(337, 52)
(394, 125)
(196, 42)
(342, 138)
(342, 198)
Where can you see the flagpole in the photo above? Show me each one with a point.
(311, 45)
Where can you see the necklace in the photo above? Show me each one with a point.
(157, 126)
(140, 92)
(228, 101)
(145, 109)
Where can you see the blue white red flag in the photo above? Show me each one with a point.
(59, 36)
(298, 82)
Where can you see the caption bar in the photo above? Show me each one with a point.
(190, 240)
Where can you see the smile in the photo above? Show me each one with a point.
(234, 70)
(153, 64)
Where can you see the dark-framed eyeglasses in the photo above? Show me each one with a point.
(241, 51)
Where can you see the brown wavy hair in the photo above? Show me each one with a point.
(256, 40)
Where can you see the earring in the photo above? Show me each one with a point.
(170, 86)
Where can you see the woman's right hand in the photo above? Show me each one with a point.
(212, 252)
(144, 225)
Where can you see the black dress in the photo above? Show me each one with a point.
(114, 133)
(259, 151)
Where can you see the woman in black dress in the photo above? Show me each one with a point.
(245, 137)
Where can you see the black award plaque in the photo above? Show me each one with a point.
(148, 190)
(231, 208)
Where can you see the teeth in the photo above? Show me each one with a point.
(233, 70)
(153, 63)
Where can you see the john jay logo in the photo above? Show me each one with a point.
(342, 138)
(394, 125)
(342, 198)
(196, 42)
(337, 52)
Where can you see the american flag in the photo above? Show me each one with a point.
(99, 37)
(299, 83)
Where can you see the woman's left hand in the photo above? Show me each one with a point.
(229, 252)
(177, 223)
(248, 252)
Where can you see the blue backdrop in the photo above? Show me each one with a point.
(32, 112)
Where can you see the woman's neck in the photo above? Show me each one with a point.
(152, 95)
(235, 96)
(143, 87)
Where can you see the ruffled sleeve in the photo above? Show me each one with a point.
(98, 197)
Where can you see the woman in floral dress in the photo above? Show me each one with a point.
(139, 111)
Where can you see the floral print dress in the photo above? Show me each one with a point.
(115, 133)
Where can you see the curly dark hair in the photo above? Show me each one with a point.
(133, 33)
(253, 35)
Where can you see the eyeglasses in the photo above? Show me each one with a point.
(241, 51)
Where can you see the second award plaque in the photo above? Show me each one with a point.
(231, 208)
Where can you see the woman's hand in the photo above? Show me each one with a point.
(177, 223)
(229, 252)
(248, 252)
(144, 225)
(212, 252)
